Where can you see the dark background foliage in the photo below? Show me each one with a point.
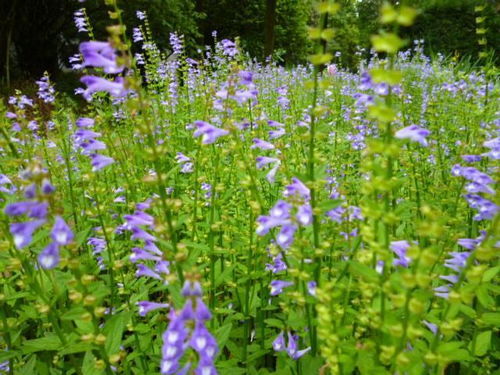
(39, 35)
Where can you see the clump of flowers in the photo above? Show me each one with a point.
(187, 329)
(35, 207)
(86, 140)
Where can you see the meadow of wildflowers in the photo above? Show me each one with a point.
(211, 214)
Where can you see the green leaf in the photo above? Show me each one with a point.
(382, 113)
(387, 13)
(389, 76)
(491, 319)
(88, 365)
(49, 342)
(320, 58)
(29, 367)
(369, 274)
(274, 323)
(6, 355)
(483, 343)
(406, 16)
(78, 347)
(484, 298)
(387, 42)
(113, 330)
(222, 334)
(490, 274)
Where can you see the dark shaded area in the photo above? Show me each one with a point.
(40, 35)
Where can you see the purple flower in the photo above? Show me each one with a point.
(471, 158)
(271, 175)
(246, 77)
(432, 327)
(279, 342)
(205, 367)
(400, 248)
(494, 146)
(203, 342)
(273, 134)
(80, 21)
(96, 84)
(86, 135)
(486, 209)
(141, 254)
(292, 347)
(263, 145)
(49, 257)
(305, 214)
(4, 182)
(45, 89)
(414, 133)
(47, 188)
(265, 160)
(61, 233)
(140, 234)
(23, 232)
(191, 289)
(100, 55)
(139, 218)
(137, 35)
(140, 15)
(457, 261)
(173, 345)
(277, 286)
(365, 82)
(85, 122)
(297, 188)
(286, 235)
(279, 215)
(181, 158)
(143, 270)
(100, 161)
(146, 306)
(201, 313)
(311, 288)
(209, 132)
(229, 47)
(275, 124)
(18, 208)
(278, 264)
(442, 291)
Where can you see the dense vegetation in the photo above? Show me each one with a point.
(447, 26)
(203, 212)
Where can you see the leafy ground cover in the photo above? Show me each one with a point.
(218, 215)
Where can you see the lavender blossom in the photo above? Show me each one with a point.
(414, 133)
(209, 133)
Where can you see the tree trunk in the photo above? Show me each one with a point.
(270, 23)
